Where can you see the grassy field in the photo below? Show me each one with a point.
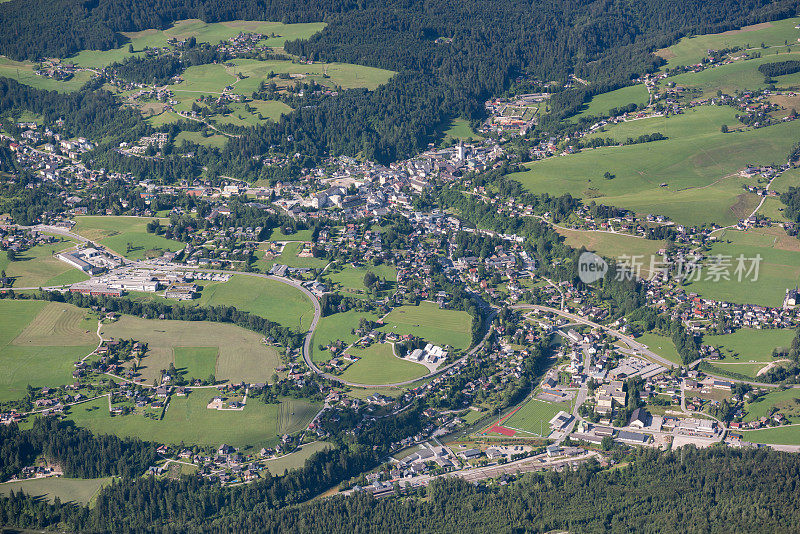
(203, 32)
(440, 327)
(242, 355)
(378, 365)
(39, 342)
(338, 74)
(266, 298)
(782, 435)
(188, 420)
(750, 345)
(787, 401)
(300, 235)
(602, 103)
(351, 278)
(696, 163)
(691, 50)
(611, 245)
(289, 256)
(68, 490)
(196, 362)
(661, 345)
(216, 140)
(38, 267)
(116, 232)
(22, 71)
(459, 129)
(333, 327)
(779, 268)
(534, 416)
(267, 109)
(297, 459)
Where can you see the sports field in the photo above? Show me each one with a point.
(39, 341)
(74, 490)
(38, 267)
(242, 356)
(338, 326)
(266, 298)
(601, 104)
(23, 72)
(378, 365)
(691, 50)
(204, 33)
(689, 177)
(427, 321)
(534, 416)
(779, 268)
(612, 245)
(188, 420)
(116, 232)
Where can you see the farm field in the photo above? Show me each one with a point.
(266, 298)
(600, 104)
(351, 278)
(74, 490)
(38, 267)
(697, 163)
(289, 256)
(22, 71)
(188, 420)
(343, 75)
(116, 232)
(691, 50)
(204, 33)
(787, 401)
(440, 327)
(459, 129)
(268, 109)
(39, 341)
(782, 435)
(779, 268)
(242, 355)
(534, 416)
(297, 459)
(661, 345)
(749, 344)
(196, 362)
(612, 245)
(216, 140)
(378, 365)
(333, 327)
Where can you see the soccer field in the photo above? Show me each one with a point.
(534, 416)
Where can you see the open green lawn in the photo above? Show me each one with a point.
(39, 341)
(68, 490)
(300, 235)
(778, 271)
(459, 129)
(203, 32)
(216, 140)
(196, 362)
(242, 355)
(782, 435)
(611, 245)
(661, 345)
(38, 267)
(267, 109)
(343, 75)
(23, 72)
(116, 232)
(602, 103)
(747, 344)
(696, 163)
(263, 297)
(189, 421)
(440, 327)
(297, 459)
(378, 365)
(787, 402)
(334, 327)
(290, 256)
(790, 178)
(163, 119)
(534, 416)
(351, 279)
(691, 50)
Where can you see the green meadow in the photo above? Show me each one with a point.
(351, 278)
(459, 129)
(116, 232)
(611, 245)
(297, 459)
(23, 72)
(697, 163)
(427, 321)
(343, 75)
(39, 341)
(661, 345)
(338, 326)
(67, 490)
(786, 401)
(748, 345)
(196, 362)
(781, 435)
(215, 140)
(39, 267)
(378, 365)
(600, 104)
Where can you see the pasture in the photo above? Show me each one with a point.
(690, 177)
(351, 278)
(290, 255)
(189, 421)
(750, 345)
(196, 362)
(23, 72)
(38, 267)
(611, 245)
(297, 459)
(434, 325)
(691, 50)
(241, 357)
(534, 417)
(781, 435)
(266, 298)
(116, 232)
(661, 345)
(786, 401)
(263, 110)
(331, 75)
(214, 140)
(778, 270)
(601, 104)
(378, 365)
(39, 341)
(458, 129)
(338, 326)
(67, 490)
(204, 32)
